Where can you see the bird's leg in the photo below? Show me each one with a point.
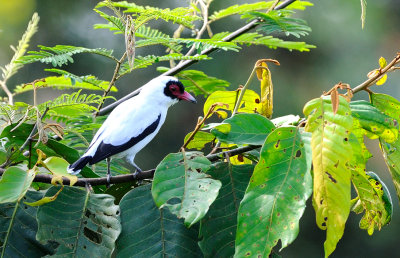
(108, 172)
(138, 170)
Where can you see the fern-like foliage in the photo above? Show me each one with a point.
(66, 81)
(269, 41)
(154, 37)
(68, 106)
(239, 9)
(114, 23)
(61, 54)
(143, 62)
(143, 14)
(279, 21)
(11, 68)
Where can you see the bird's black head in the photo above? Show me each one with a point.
(176, 90)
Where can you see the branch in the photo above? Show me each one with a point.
(251, 25)
(45, 178)
(381, 72)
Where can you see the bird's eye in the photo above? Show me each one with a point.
(173, 88)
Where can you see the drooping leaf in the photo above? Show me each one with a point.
(330, 153)
(267, 89)
(14, 183)
(276, 196)
(61, 54)
(151, 232)
(374, 121)
(218, 227)
(391, 154)
(200, 140)
(89, 226)
(279, 21)
(250, 102)
(245, 129)
(178, 186)
(18, 228)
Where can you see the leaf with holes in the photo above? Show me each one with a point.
(179, 186)
(218, 227)
(331, 151)
(373, 197)
(14, 183)
(199, 140)
(374, 121)
(276, 196)
(89, 226)
(18, 228)
(250, 102)
(245, 129)
(151, 232)
(391, 154)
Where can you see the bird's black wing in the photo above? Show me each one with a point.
(105, 150)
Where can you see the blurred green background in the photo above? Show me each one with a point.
(344, 53)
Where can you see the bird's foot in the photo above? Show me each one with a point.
(136, 174)
(108, 181)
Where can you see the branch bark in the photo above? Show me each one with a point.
(249, 26)
(43, 178)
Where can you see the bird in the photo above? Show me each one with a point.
(133, 124)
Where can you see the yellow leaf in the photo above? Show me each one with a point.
(382, 80)
(58, 167)
(382, 62)
(264, 76)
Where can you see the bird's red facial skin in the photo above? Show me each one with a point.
(175, 90)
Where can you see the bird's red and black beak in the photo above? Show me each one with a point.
(186, 96)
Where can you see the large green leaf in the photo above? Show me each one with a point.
(151, 232)
(82, 223)
(200, 83)
(218, 227)
(199, 140)
(14, 183)
(18, 228)
(250, 102)
(276, 196)
(245, 129)
(374, 121)
(386, 104)
(179, 186)
(330, 153)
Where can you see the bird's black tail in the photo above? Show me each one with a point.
(76, 167)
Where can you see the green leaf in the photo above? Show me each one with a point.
(218, 227)
(185, 192)
(245, 129)
(279, 21)
(255, 38)
(200, 83)
(276, 196)
(18, 228)
(239, 9)
(374, 199)
(151, 232)
(386, 104)
(89, 225)
(199, 140)
(71, 155)
(14, 183)
(143, 62)
(374, 121)
(250, 102)
(330, 153)
(60, 54)
(67, 81)
(286, 120)
(391, 154)
(69, 106)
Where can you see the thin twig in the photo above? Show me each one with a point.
(380, 72)
(112, 82)
(8, 92)
(249, 26)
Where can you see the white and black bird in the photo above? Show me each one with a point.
(133, 123)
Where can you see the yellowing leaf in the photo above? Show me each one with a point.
(382, 62)
(250, 102)
(264, 75)
(58, 167)
(382, 80)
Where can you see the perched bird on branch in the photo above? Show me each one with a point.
(133, 124)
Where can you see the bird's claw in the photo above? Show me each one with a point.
(108, 180)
